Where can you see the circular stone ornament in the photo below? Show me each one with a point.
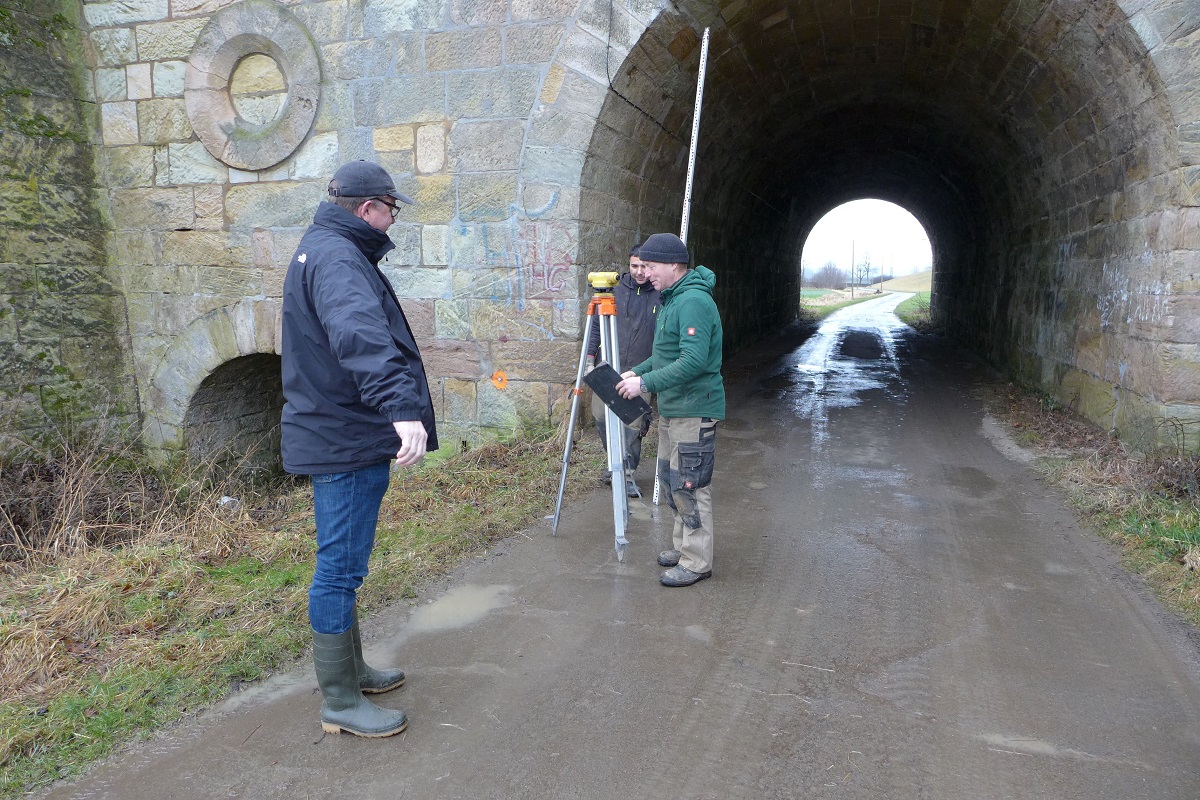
(244, 29)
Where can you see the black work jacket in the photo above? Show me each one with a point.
(637, 307)
(350, 364)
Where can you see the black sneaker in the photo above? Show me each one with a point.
(631, 488)
(682, 576)
(668, 558)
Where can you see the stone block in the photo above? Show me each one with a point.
(508, 320)
(317, 158)
(124, 12)
(210, 248)
(420, 316)
(486, 146)
(419, 282)
(372, 58)
(431, 148)
(532, 44)
(134, 250)
(1178, 373)
(168, 41)
(434, 196)
(273, 205)
(505, 92)
(399, 162)
(552, 361)
(434, 245)
(452, 319)
(190, 163)
(459, 400)
(486, 284)
(138, 83)
(568, 319)
(110, 84)
(119, 123)
(402, 100)
(489, 196)
(154, 209)
(325, 21)
(556, 165)
(407, 239)
(163, 121)
(463, 48)
(355, 143)
(114, 47)
(128, 167)
(385, 16)
(219, 283)
(169, 78)
(452, 358)
(590, 56)
(479, 12)
(526, 10)
(336, 108)
(394, 137)
(518, 407)
(210, 207)
(549, 202)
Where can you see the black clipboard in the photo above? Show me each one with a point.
(603, 381)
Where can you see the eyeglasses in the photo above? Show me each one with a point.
(395, 209)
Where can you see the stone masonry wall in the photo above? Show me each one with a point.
(62, 321)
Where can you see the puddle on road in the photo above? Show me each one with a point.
(460, 607)
(851, 359)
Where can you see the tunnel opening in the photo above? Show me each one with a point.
(865, 242)
(232, 425)
(1035, 142)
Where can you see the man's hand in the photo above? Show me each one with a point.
(630, 386)
(413, 439)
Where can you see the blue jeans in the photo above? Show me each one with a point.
(346, 507)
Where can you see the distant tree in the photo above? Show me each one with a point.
(861, 275)
(829, 277)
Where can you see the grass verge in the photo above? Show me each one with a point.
(106, 643)
(914, 312)
(1149, 504)
(816, 311)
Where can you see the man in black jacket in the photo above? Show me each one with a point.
(637, 308)
(355, 398)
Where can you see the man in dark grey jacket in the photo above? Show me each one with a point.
(637, 308)
(355, 398)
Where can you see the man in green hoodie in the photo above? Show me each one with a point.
(684, 370)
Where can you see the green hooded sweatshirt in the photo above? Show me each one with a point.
(684, 369)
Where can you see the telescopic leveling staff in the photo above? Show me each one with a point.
(604, 307)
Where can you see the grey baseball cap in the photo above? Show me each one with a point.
(364, 179)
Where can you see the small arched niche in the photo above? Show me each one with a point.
(232, 421)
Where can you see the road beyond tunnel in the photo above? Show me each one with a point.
(897, 610)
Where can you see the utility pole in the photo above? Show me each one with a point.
(852, 269)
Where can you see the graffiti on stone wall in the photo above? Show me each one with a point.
(546, 254)
(1122, 300)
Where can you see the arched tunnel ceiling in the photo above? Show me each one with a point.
(1012, 129)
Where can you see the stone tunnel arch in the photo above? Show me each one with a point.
(1048, 148)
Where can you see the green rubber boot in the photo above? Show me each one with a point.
(371, 680)
(343, 706)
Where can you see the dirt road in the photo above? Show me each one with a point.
(898, 610)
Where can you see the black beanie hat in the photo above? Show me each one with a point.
(664, 248)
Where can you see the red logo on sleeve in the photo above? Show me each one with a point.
(691, 331)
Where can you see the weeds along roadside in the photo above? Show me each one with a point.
(130, 598)
(1149, 504)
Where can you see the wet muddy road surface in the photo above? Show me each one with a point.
(898, 610)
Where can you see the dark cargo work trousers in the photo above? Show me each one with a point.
(687, 449)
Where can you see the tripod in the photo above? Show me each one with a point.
(603, 307)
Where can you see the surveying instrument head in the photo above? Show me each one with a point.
(603, 281)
